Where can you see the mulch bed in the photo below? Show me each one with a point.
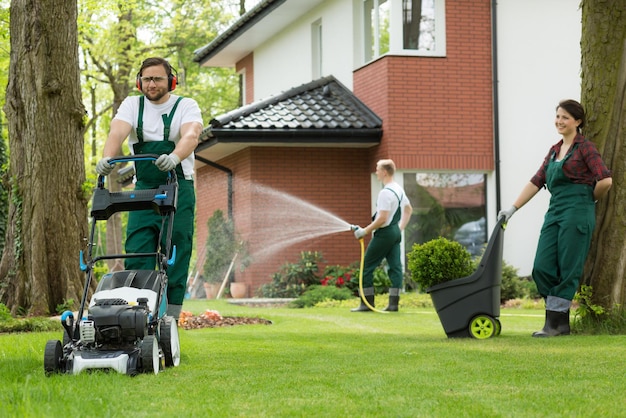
(212, 319)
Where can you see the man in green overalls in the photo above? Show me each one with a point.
(576, 177)
(161, 123)
(393, 212)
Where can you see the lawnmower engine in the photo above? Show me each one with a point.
(115, 335)
(115, 322)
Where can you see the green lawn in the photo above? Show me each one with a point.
(329, 362)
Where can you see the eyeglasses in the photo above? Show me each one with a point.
(155, 79)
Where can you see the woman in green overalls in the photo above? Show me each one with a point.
(576, 177)
(159, 123)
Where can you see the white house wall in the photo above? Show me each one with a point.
(538, 65)
(276, 70)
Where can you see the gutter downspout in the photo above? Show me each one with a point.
(230, 181)
(496, 114)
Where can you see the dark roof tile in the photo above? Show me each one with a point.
(325, 100)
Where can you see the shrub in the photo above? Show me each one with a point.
(381, 281)
(222, 244)
(317, 293)
(293, 279)
(5, 314)
(438, 261)
(341, 276)
(595, 319)
(338, 276)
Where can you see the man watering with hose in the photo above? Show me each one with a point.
(393, 211)
(161, 123)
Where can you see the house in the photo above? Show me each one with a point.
(459, 93)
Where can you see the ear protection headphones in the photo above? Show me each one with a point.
(172, 79)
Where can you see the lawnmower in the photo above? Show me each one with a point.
(124, 327)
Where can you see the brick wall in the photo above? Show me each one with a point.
(437, 112)
(335, 180)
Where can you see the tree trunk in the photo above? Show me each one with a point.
(603, 48)
(47, 211)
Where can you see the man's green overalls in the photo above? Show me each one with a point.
(565, 237)
(385, 244)
(143, 227)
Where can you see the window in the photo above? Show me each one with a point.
(316, 49)
(376, 26)
(451, 205)
(418, 25)
(403, 27)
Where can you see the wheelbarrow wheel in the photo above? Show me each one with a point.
(483, 327)
(52, 357)
(498, 327)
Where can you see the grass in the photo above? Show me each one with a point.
(329, 362)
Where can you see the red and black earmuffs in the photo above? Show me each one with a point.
(171, 81)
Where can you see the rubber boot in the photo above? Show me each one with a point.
(557, 323)
(394, 298)
(368, 292)
(563, 325)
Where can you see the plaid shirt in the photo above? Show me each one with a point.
(584, 166)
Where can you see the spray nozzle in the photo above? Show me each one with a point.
(354, 227)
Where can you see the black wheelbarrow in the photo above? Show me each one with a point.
(470, 306)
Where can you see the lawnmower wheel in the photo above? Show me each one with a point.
(52, 357)
(168, 333)
(150, 354)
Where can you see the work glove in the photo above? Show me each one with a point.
(507, 213)
(359, 232)
(103, 167)
(167, 162)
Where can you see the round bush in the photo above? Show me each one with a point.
(438, 261)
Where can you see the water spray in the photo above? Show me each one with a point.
(354, 228)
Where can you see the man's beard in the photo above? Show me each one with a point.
(156, 96)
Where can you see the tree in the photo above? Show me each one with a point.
(603, 47)
(47, 211)
(4, 154)
(111, 53)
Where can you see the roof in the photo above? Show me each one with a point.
(321, 113)
(255, 27)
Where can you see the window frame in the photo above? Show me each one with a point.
(396, 36)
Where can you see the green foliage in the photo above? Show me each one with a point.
(316, 294)
(349, 277)
(381, 280)
(5, 313)
(30, 324)
(16, 200)
(67, 305)
(4, 185)
(513, 286)
(339, 276)
(591, 318)
(438, 261)
(293, 279)
(221, 246)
